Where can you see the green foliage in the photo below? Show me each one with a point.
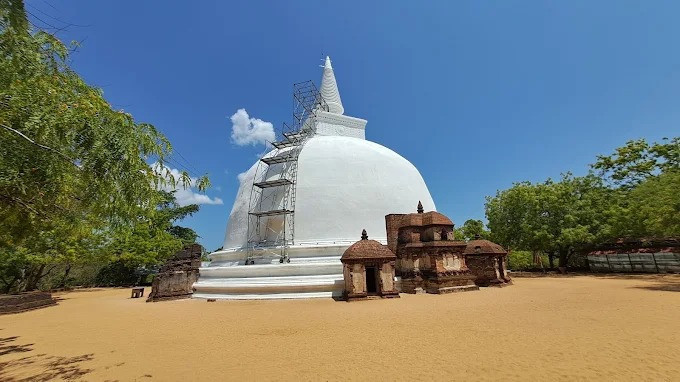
(652, 209)
(519, 260)
(634, 194)
(169, 211)
(75, 185)
(470, 230)
(637, 161)
(559, 218)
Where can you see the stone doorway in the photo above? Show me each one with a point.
(371, 284)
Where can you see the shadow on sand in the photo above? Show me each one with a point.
(42, 366)
(600, 275)
(7, 347)
(668, 286)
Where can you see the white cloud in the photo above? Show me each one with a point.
(184, 196)
(188, 196)
(250, 131)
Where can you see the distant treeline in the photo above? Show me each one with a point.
(632, 193)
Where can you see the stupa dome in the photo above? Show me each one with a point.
(343, 185)
(300, 206)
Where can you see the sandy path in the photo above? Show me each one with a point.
(574, 328)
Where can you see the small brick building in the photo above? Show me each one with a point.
(429, 259)
(488, 261)
(368, 270)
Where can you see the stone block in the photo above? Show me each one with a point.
(177, 276)
(16, 303)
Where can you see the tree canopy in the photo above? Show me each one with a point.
(471, 229)
(630, 193)
(74, 172)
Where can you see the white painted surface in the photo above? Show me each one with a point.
(344, 184)
(329, 89)
(340, 125)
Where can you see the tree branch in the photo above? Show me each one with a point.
(28, 207)
(42, 146)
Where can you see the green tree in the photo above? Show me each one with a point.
(651, 209)
(134, 251)
(557, 218)
(471, 229)
(638, 160)
(168, 212)
(72, 169)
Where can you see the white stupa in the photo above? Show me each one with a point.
(342, 184)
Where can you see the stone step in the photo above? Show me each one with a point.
(268, 285)
(317, 259)
(267, 296)
(297, 267)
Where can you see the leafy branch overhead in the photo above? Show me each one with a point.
(638, 160)
(74, 172)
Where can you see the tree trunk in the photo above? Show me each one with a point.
(32, 282)
(34, 278)
(564, 258)
(551, 259)
(8, 286)
(62, 284)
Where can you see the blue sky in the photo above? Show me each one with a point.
(476, 94)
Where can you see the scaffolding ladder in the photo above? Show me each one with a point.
(271, 209)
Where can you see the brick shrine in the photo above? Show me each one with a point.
(368, 270)
(488, 261)
(429, 259)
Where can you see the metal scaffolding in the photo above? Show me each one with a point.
(271, 210)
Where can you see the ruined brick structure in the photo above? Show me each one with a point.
(488, 262)
(429, 259)
(368, 270)
(177, 275)
(16, 303)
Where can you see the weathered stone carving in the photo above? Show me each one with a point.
(429, 259)
(368, 270)
(177, 275)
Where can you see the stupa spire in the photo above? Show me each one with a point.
(329, 89)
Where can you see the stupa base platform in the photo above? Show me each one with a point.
(270, 287)
(309, 274)
(267, 296)
(313, 272)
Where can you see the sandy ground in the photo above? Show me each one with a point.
(576, 328)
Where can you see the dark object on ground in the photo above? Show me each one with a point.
(211, 300)
(177, 276)
(137, 292)
(16, 303)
